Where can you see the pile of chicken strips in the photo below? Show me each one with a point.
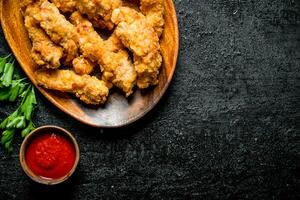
(69, 47)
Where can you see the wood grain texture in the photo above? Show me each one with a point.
(118, 111)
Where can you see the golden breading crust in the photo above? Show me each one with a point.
(139, 36)
(60, 30)
(83, 65)
(25, 3)
(113, 43)
(98, 11)
(154, 11)
(87, 88)
(115, 63)
(44, 52)
(139, 26)
(65, 5)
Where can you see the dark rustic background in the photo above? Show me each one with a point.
(228, 127)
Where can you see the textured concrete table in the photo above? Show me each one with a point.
(228, 127)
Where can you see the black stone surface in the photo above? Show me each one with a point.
(228, 127)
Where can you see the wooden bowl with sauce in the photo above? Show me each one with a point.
(49, 155)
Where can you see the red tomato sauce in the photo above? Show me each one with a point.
(50, 155)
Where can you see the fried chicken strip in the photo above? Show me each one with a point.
(99, 11)
(88, 89)
(115, 63)
(82, 65)
(25, 3)
(154, 11)
(134, 31)
(113, 43)
(139, 36)
(60, 30)
(65, 6)
(44, 52)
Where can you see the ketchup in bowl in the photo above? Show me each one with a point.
(50, 155)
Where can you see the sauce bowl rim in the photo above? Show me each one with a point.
(26, 142)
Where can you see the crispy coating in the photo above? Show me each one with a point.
(154, 11)
(115, 65)
(44, 52)
(113, 43)
(88, 89)
(54, 37)
(126, 14)
(138, 35)
(60, 30)
(147, 68)
(65, 5)
(82, 65)
(99, 11)
(25, 3)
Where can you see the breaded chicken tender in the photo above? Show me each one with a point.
(115, 63)
(60, 30)
(147, 68)
(139, 36)
(99, 11)
(44, 52)
(88, 89)
(25, 3)
(154, 11)
(55, 24)
(113, 43)
(82, 65)
(65, 5)
(136, 34)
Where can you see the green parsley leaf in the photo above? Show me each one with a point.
(11, 89)
(7, 75)
(6, 139)
(29, 103)
(3, 61)
(28, 129)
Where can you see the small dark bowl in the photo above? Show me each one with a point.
(27, 141)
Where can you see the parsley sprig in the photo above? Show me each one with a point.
(12, 88)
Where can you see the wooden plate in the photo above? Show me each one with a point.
(118, 111)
